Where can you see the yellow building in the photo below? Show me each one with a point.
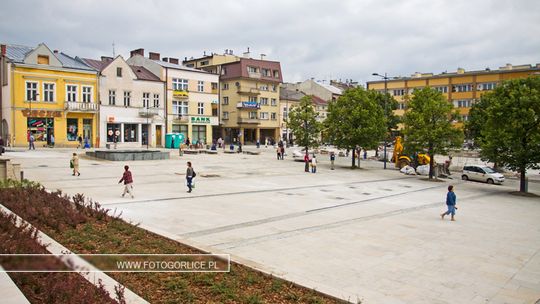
(462, 88)
(48, 95)
(248, 96)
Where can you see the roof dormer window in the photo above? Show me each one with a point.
(43, 59)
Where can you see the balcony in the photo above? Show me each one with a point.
(248, 105)
(75, 106)
(256, 75)
(180, 119)
(150, 112)
(243, 120)
(248, 90)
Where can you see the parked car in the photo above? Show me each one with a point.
(482, 174)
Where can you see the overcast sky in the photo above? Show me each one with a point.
(324, 39)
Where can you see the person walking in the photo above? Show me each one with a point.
(79, 140)
(306, 161)
(190, 174)
(313, 164)
(450, 203)
(332, 159)
(75, 164)
(127, 178)
(31, 140)
(52, 141)
(278, 152)
(282, 152)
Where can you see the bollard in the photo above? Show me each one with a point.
(526, 184)
(22, 175)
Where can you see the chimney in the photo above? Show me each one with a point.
(173, 60)
(246, 54)
(137, 52)
(3, 49)
(154, 56)
(55, 51)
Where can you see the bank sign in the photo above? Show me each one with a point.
(250, 104)
(197, 119)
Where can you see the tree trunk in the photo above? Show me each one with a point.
(431, 161)
(522, 181)
(358, 160)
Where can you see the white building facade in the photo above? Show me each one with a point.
(132, 109)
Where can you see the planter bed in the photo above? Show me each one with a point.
(85, 227)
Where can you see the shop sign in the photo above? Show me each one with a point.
(250, 104)
(110, 118)
(196, 119)
(180, 94)
(41, 113)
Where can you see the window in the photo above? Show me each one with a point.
(465, 103)
(252, 98)
(273, 115)
(252, 115)
(43, 59)
(112, 97)
(276, 74)
(225, 100)
(266, 72)
(399, 92)
(225, 115)
(264, 115)
(264, 87)
(442, 89)
(274, 88)
(200, 86)
(71, 93)
(264, 101)
(31, 91)
(180, 129)
(156, 100)
(127, 98)
(86, 94)
(285, 114)
(48, 92)
(225, 86)
(223, 71)
(200, 108)
(464, 117)
(118, 72)
(131, 132)
(180, 84)
(204, 62)
(180, 108)
(252, 69)
(487, 86)
(462, 88)
(72, 129)
(146, 100)
(113, 130)
(401, 106)
(273, 102)
(199, 134)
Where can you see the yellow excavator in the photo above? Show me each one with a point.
(403, 160)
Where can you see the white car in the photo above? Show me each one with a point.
(482, 174)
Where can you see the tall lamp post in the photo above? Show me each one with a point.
(385, 77)
(147, 126)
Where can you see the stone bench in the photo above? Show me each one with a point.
(190, 151)
(211, 152)
(230, 151)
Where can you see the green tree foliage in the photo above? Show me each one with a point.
(303, 123)
(356, 119)
(507, 125)
(389, 105)
(428, 125)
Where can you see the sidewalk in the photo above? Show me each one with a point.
(11, 294)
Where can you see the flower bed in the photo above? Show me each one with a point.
(85, 227)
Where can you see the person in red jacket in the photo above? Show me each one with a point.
(127, 178)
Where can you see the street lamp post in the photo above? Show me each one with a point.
(147, 126)
(385, 77)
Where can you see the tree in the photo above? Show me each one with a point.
(355, 119)
(303, 123)
(389, 104)
(509, 133)
(428, 124)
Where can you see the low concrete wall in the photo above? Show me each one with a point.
(9, 170)
(129, 155)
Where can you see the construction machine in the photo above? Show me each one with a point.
(404, 160)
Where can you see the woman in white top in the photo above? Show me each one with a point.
(313, 164)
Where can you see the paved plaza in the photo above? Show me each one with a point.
(368, 235)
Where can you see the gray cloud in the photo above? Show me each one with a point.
(323, 39)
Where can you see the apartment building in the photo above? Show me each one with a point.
(461, 88)
(48, 95)
(131, 104)
(248, 95)
(191, 98)
(288, 99)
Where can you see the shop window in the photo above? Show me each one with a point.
(41, 128)
(131, 132)
(112, 131)
(72, 129)
(180, 129)
(199, 135)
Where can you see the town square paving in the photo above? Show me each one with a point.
(368, 235)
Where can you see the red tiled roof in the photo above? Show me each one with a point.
(96, 64)
(318, 101)
(144, 74)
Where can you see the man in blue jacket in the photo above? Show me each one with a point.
(450, 203)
